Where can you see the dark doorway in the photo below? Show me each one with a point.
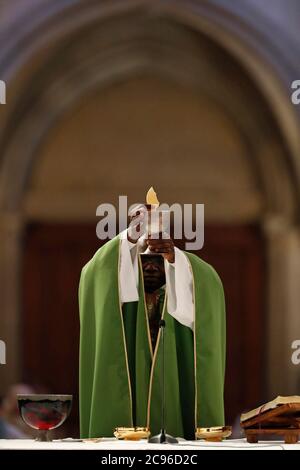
(53, 257)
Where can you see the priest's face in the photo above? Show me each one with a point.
(154, 272)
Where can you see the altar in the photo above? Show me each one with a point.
(111, 444)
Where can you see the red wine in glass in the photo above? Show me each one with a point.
(44, 412)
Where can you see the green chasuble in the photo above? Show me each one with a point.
(120, 375)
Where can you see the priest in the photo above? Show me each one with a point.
(123, 294)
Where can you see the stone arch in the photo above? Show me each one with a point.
(141, 48)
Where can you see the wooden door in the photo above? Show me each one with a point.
(53, 258)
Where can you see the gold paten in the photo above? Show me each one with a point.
(132, 434)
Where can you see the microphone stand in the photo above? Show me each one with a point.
(162, 437)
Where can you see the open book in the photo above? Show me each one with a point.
(270, 406)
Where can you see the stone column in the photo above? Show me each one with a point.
(283, 322)
(10, 261)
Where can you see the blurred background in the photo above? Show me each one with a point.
(107, 98)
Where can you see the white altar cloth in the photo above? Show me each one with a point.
(114, 444)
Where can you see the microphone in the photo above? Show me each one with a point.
(162, 437)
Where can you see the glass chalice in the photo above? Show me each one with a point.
(44, 412)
